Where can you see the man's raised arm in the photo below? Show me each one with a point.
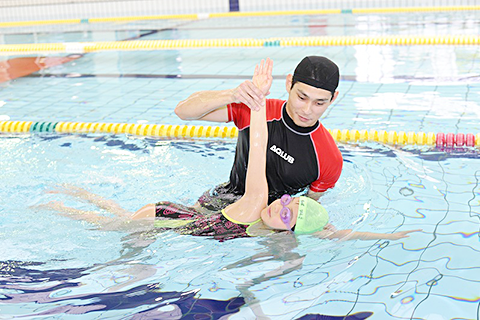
(211, 105)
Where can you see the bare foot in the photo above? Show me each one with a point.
(68, 189)
(52, 205)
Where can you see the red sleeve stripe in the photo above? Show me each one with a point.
(314, 189)
(274, 109)
(331, 162)
(230, 113)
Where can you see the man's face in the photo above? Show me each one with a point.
(306, 104)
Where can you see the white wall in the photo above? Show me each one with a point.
(23, 10)
(282, 5)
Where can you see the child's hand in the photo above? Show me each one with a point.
(262, 77)
(401, 234)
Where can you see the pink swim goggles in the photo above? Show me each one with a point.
(285, 212)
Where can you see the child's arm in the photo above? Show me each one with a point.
(256, 180)
(348, 234)
(255, 199)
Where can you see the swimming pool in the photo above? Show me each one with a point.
(53, 266)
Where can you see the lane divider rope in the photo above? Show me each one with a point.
(240, 14)
(188, 131)
(83, 47)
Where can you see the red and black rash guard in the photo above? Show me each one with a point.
(297, 157)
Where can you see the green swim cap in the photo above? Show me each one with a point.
(312, 216)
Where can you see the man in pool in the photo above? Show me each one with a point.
(250, 215)
(301, 152)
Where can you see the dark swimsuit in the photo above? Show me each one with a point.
(187, 220)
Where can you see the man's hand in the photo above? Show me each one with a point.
(252, 93)
(314, 195)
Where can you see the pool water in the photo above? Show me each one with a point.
(53, 266)
(382, 189)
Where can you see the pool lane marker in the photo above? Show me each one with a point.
(185, 131)
(135, 45)
(200, 16)
(407, 138)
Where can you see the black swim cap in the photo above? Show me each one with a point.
(318, 72)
